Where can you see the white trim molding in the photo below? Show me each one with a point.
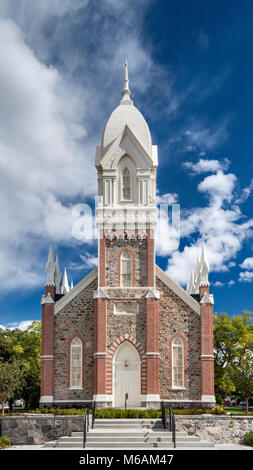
(208, 398)
(107, 398)
(46, 399)
(150, 398)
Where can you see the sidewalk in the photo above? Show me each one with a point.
(216, 447)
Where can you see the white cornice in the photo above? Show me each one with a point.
(181, 293)
(75, 291)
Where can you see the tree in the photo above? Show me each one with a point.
(10, 377)
(25, 347)
(242, 377)
(233, 337)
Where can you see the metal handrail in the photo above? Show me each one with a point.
(173, 426)
(85, 426)
(93, 413)
(164, 421)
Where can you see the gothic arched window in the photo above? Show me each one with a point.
(126, 184)
(177, 363)
(76, 350)
(126, 269)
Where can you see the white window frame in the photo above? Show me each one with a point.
(181, 346)
(130, 183)
(76, 342)
(130, 259)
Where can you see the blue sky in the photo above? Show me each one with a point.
(61, 75)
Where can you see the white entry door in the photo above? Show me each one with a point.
(126, 376)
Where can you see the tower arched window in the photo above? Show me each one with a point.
(126, 184)
(126, 269)
(76, 353)
(177, 363)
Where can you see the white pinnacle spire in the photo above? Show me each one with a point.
(65, 283)
(71, 285)
(191, 288)
(57, 276)
(50, 267)
(126, 91)
(205, 269)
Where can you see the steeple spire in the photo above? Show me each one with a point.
(57, 276)
(65, 283)
(50, 267)
(126, 91)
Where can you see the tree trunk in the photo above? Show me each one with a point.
(247, 405)
(2, 407)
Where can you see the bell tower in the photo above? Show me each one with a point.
(126, 218)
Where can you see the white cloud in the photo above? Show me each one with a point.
(247, 264)
(246, 276)
(219, 186)
(207, 166)
(22, 325)
(168, 198)
(202, 138)
(219, 223)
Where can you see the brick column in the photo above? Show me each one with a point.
(150, 259)
(102, 260)
(100, 347)
(207, 357)
(152, 347)
(47, 348)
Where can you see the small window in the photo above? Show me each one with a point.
(177, 363)
(76, 363)
(126, 185)
(126, 269)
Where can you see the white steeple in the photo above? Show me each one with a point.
(205, 269)
(200, 276)
(57, 276)
(126, 91)
(65, 283)
(50, 267)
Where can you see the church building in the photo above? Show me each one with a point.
(127, 329)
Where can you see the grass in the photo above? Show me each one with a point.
(239, 411)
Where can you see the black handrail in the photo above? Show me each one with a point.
(173, 426)
(93, 413)
(164, 420)
(85, 426)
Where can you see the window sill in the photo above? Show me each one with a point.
(178, 388)
(75, 388)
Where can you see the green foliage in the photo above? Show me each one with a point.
(25, 347)
(10, 377)
(34, 400)
(233, 337)
(4, 442)
(241, 375)
(248, 439)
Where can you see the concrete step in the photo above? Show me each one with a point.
(126, 433)
(132, 445)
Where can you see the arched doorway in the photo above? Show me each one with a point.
(126, 376)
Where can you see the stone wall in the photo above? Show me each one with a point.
(38, 429)
(217, 429)
(76, 318)
(176, 318)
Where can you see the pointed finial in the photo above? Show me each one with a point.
(71, 285)
(65, 283)
(50, 267)
(204, 267)
(57, 276)
(126, 91)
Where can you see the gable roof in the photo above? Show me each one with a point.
(181, 293)
(161, 275)
(75, 291)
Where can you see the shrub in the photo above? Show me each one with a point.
(248, 439)
(34, 400)
(4, 442)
